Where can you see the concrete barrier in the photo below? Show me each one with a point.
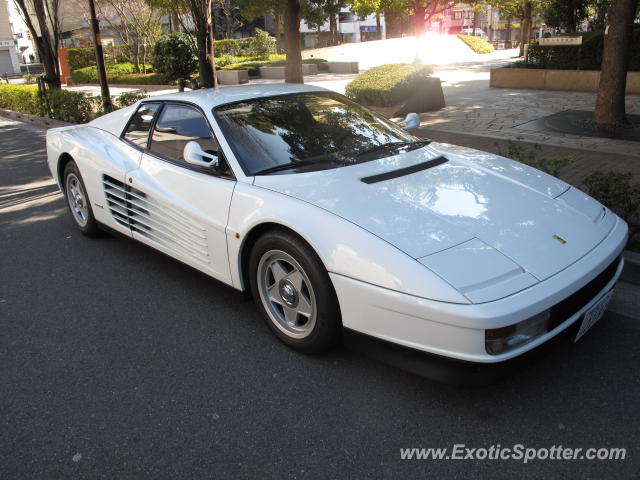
(232, 77)
(309, 69)
(276, 73)
(563, 80)
(343, 67)
(33, 119)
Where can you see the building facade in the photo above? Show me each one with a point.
(16, 48)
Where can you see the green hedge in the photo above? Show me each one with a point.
(65, 105)
(233, 46)
(587, 56)
(138, 79)
(388, 84)
(477, 44)
(252, 67)
(90, 74)
(86, 57)
(274, 61)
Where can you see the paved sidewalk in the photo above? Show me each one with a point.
(474, 108)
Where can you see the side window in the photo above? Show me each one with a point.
(177, 125)
(140, 124)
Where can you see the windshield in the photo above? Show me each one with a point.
(307, 131)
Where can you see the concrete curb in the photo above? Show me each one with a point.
(33, 119)
(631, 272)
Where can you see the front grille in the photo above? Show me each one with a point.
(573, 303)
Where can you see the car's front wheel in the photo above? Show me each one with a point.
(294, 292)
(78, 201)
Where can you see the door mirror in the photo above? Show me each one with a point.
(194, 155)
(411, 121)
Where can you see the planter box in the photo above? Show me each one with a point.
(427, 99)
(276, 73)
(232, 77)
(343, 67)
(309, 69)
(563, 80)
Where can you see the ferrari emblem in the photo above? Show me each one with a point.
(560, 239)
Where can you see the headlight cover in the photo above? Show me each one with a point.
(505, 339)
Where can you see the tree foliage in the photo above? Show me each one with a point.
(566, 14)
(175, 56)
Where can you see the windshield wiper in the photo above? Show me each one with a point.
(297, 163)
(391, 145)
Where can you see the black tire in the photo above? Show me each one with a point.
(89, 226)
(327, 324)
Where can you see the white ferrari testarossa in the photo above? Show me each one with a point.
(339, 221)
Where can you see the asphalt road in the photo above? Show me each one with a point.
(118, 362)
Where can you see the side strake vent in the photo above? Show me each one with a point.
(161, 224)
(401, 172)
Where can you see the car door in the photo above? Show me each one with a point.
(179, 208)
(120, 158)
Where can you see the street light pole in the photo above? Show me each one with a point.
(102, 73)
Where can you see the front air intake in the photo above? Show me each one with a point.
(159, 223)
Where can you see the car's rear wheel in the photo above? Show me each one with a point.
(78, 201)
(294, 292)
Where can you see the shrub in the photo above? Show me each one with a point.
(139, 79)
(70, 106)
(313, 60)
(175, 56)
(477, 44)
(587, 56)
(388, 84)
(20, 98)
(233, 46)
(90, 74)
(29, 79)
(262, 44)
(616, 191)
(530, 156)
(86, 57)
(65, 105)
(129, 98)
(225, 60)
(283, 61)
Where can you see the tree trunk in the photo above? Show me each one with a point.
(418, 18)
(136, 57)
(378, 27)
(206, 73)
(227, 16)
(507, 38)
(211, 29)
(333, 30)
(526, 26)
(48, 56)
(293, 68)
(277, 18)
(610, 108)
(175, 21)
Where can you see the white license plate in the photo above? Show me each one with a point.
(594, 314)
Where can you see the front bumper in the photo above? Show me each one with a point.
(457, 331)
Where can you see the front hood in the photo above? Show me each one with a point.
(531, 218)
